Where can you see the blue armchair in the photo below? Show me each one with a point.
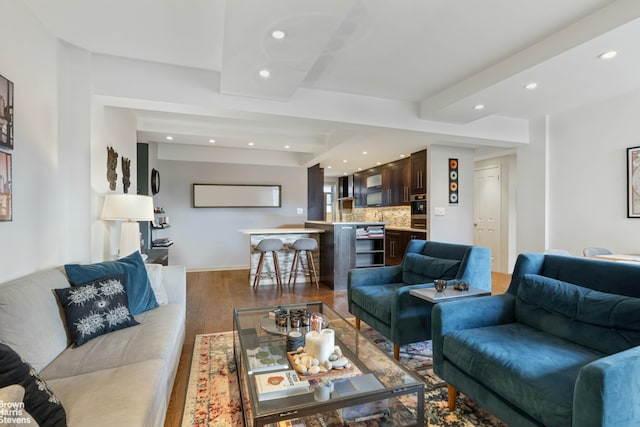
(560, 348)
(380, 296)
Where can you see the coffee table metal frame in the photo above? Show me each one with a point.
(399, 385)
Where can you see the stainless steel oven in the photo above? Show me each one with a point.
(419, 211)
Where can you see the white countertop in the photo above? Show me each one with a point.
(347, 222)
(280, 230)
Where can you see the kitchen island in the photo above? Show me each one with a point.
(285, 256)
(348, 245)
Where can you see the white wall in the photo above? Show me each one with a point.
(531, 198)
(37, 237)
(588, 176)
(456, 226)
(208, 238)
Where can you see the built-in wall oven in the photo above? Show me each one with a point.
(419, 211)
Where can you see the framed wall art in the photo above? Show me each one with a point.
(6, 113)
(6, 193)
(633, 182)
(453, 181)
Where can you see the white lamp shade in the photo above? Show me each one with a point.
(127, 207)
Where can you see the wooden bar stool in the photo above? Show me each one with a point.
(308, 245)
(264, 246)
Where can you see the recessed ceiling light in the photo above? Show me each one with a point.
(364, 152)
(531, 86)
(264, 73)
(344, 161)
(329, 167)
(278, 34)
(169, 138)
(479, 107)
(344, 173)
(608, 55)
(359, 169)
(287, 146)
(251, 144)
(212, 141)
(378, 163)
(402, 156)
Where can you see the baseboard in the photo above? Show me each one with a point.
(235, 267)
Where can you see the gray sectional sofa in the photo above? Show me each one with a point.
(122, 378)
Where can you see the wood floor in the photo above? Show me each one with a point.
(212, 296)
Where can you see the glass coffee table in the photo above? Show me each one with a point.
(372, 389)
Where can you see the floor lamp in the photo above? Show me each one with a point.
(129, 208)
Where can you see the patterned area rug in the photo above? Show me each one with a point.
(213, 397)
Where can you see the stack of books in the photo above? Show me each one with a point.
(276, 385)
(164, 242)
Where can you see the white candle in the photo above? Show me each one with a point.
(320, 344)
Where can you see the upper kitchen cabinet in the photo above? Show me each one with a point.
(359, 190)
(345, 187)
(419, 172)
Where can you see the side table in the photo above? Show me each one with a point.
(431, 295)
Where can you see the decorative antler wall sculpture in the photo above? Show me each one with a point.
(126, 173)
(112, 163)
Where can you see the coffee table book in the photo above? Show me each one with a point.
(275, 385)
(266, 358)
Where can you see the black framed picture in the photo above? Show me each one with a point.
(6, 113)
(633, 182)
(6, 193)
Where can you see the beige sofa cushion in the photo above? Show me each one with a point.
(32, 323)
(157, 337)
(123, 396)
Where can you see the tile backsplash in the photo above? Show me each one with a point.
(396, 216)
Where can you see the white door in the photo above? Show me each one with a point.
(487, 212)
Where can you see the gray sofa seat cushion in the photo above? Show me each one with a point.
(130, 395)
(369, 297)
(532, 369)
(31, 319)
(608, 323)
(418, 268)
(157, 337)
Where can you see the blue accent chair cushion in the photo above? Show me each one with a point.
(139, 292)
(381, 296)
(560, 348)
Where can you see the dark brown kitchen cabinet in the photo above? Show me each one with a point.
(396, 242)
(404, 181)
(419, 172)
(359, 190)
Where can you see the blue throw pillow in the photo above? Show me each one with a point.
(96, 308)
(139, 291)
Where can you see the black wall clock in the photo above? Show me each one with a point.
(155, 182)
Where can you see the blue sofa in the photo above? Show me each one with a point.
(380, 296)
(559, 348)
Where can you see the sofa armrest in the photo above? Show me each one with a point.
(607, 391)
(357, 278)
(174, 280)
(374, 276)
(467, 314)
